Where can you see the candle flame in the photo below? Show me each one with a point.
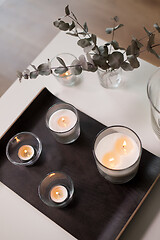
(124, 146)
(52, 174)
(17, 139)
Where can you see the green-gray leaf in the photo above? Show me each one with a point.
(56, 23)
(100, 61)
(94, 38)
(115, 59)
(63, 26)
(43, 67)
(91, 67)
(116, 19)
(83, 43)
(34, 74)
(150, 42)
(72, 34)
(115, 44)
(104, 51)
(72, 26)
(157, 27)
(61, 61)
(139, 44)
(85, 27)
(67, 12)
(118, 26)
(126, 66)
(61, 70)
(109, 30)
(133, 61)
(148, 32)
(76, 70)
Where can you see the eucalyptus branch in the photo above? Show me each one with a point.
(107, 57)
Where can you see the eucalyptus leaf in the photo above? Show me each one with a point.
(72, 26)
(33, 66)
(115, 59)
(67, 12)
(150, 42)
(34, 74)
(83, 43)
(126, 66)
(116, 19)
(100, 61)
(83, 62)
(92, 67)
(157, 27)
(25, 76)
(154, 53)
(61, 70)
(115, 44)
(148, 32)
(61, 61)
(94, 39)
(63, 26)
(19, 75)
(133, 61)
(43, 67)
(56, 23)
(118, 26)
(109, 30)
(139, 44)
(88, 49)
(85, 27)
(104, 51)
(76, 70)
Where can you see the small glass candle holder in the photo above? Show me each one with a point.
(56, 189)
(24, 149)
(68, 78)
(63, 121)
(117, 152)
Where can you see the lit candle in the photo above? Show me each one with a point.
(62, 120)
(121, 149)
(25, 152)
(59, 194)
(124, 145)
(66, 74)
(110, 159)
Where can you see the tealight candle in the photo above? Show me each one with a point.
(66, 75)
(25, 152)
(59, 194)
(117, 152)
(62, 119)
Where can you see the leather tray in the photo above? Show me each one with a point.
(99, 210)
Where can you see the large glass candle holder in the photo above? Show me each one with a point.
(56, 189)
(117, 152)
(63, 122)
(67, 78)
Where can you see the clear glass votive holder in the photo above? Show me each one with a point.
(68, 78)
(153, 91)
(24, 148)
(56, 189)
(63, 121)
(117, 152)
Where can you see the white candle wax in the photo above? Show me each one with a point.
(25, 152)
(124, 159)
(62, 120)
(58, 193)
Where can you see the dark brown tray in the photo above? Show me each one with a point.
(99, 210)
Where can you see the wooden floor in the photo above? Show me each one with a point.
(26, 27)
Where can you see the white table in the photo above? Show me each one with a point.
(128, 106)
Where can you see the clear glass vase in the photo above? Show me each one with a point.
(110, 79)
(153, 91)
